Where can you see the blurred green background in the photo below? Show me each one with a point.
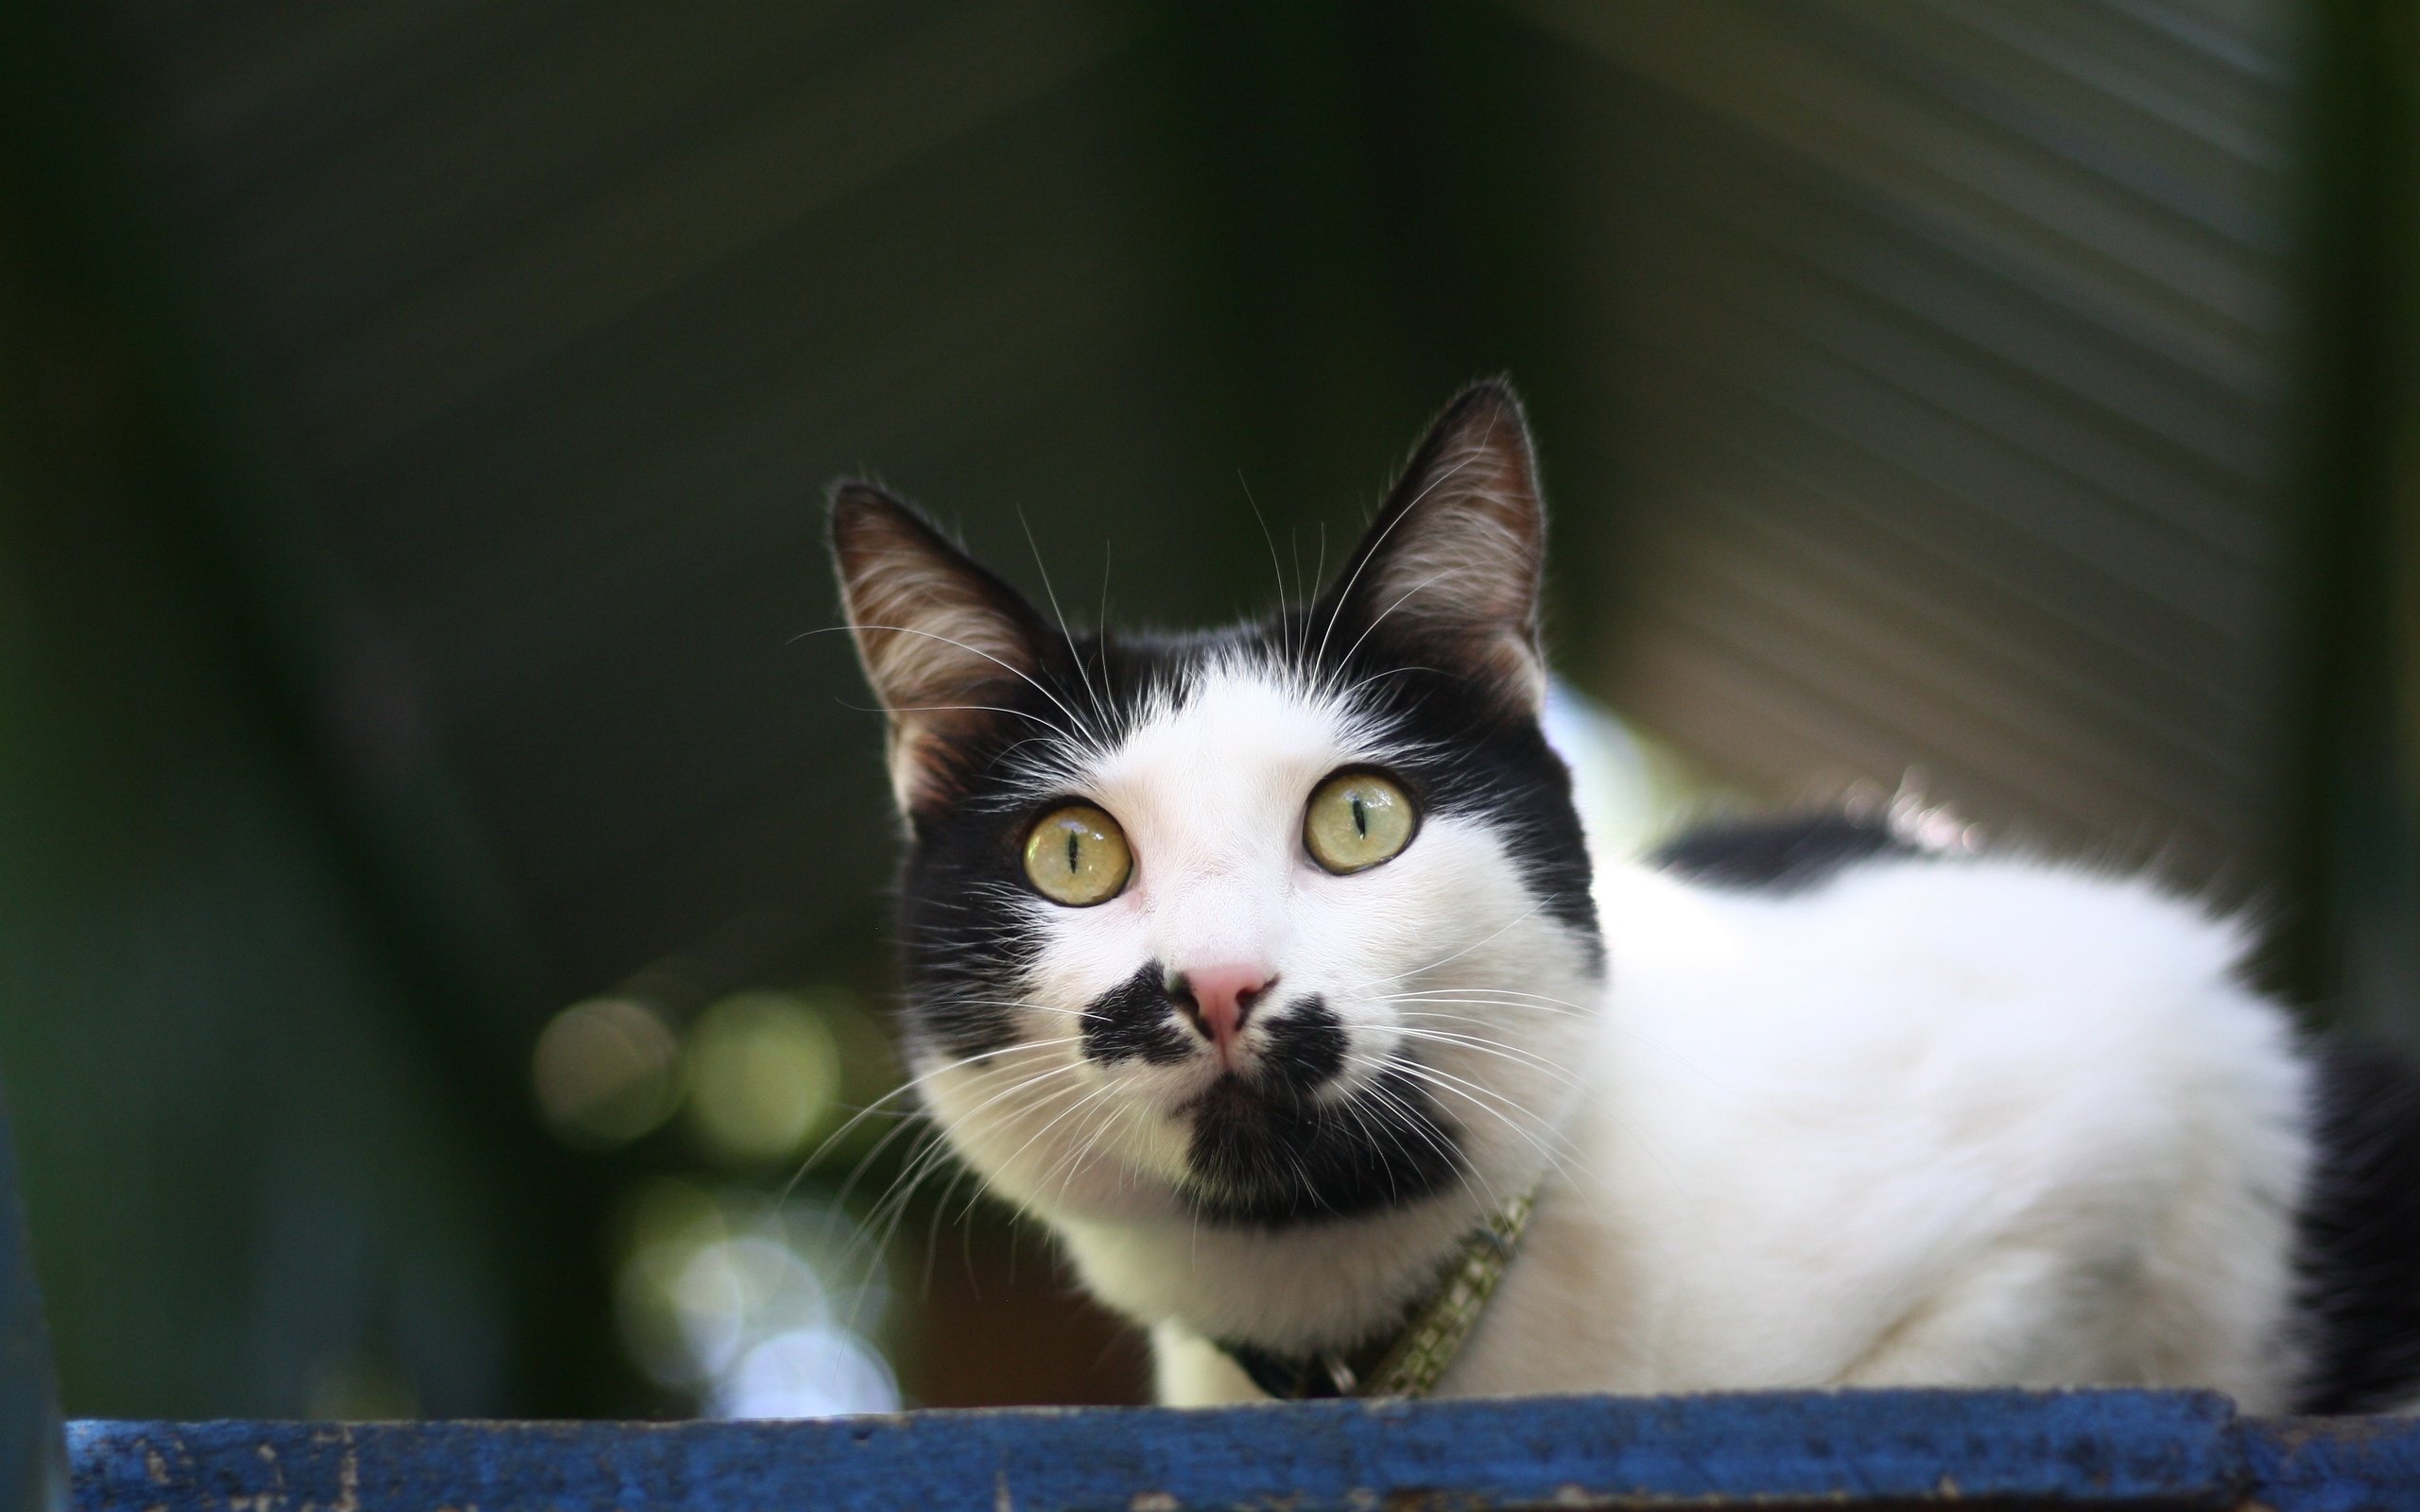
(441, 885)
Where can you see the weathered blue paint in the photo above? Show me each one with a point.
(2335, 1464)
(2108, 1450)
(33, 1460)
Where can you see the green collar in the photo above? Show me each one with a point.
(1410, 1362)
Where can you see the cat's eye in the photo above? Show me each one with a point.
(1077, 855)
(1357, 819)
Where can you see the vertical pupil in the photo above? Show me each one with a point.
(1360, 818)
(1075, 840)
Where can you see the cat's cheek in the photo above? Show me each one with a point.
(1452, 904)
(1084, 954)
(1059, 1135)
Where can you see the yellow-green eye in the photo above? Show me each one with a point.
(1357, 819)
(1077, 857)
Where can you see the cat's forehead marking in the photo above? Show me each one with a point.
(1235, 738)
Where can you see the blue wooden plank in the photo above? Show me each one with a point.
(2335, 1464)
(33, 1459)
(2102, 1450)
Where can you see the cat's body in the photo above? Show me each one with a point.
(1268, 965)
(1959, 1122)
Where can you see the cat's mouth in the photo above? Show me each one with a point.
(1293, 1055)
(1235, 1096)
(1293, 1058)
(1263, 1150)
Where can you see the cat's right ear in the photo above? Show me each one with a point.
(1453, 560)
(944, 642)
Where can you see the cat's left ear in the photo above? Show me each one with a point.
(1452, 565)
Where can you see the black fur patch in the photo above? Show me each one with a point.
(1304, 1049)
(1476, 759)
(1137, 1021)
(1263, 1150)
(2359, 1243)
(1267, 1155)
(963, 959)
(1781, 854)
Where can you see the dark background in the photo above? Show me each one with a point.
(412, 419)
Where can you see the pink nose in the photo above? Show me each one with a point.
(1219, 998)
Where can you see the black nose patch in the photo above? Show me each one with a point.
(1136, 1020)
(1303, 1048)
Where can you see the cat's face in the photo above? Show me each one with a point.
(1254, 927)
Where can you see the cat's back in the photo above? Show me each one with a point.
(1842, 947)
(1840, 944)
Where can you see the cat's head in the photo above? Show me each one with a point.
(1257, 926)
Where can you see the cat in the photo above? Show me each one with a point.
(1270, 969)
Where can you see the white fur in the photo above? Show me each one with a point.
(1965, 1123)
(1973, 1121)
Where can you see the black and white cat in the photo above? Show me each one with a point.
(1268, 965)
